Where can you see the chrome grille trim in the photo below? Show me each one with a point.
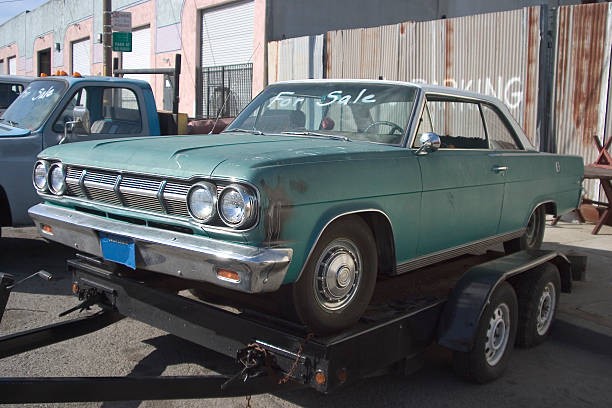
(150, 194)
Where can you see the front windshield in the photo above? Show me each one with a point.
(365, 111)
(34, 104)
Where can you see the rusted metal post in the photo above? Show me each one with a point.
(106, 38)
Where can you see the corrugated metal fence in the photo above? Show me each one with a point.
(560, 99)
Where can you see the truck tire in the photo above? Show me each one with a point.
(533, 236)
(494, 340)
(339, 278)
(538, 295)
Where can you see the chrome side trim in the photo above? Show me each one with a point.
(168, 252)
(446, 254)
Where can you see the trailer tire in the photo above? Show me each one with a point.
(339, 278)
(494, 340)
(533, 236)
(538, 295)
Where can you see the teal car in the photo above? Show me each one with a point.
(317, 188)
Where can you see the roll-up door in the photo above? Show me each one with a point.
(227, 35)
(140, 57)
(81, 57)
(12, 66)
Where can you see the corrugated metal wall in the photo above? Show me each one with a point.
(581, 90)
(295, 58)
(494, 53)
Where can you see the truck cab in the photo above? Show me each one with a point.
(44, 115)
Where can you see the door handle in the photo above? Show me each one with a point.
(500, 169)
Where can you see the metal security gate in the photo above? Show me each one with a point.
(81, 57)
(140, 57)
(226, 59)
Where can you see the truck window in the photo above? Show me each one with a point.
(112, 110)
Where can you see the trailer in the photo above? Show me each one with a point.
(477, 306)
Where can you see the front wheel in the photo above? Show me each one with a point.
(338, 281)
(533, 236)
(494, 340)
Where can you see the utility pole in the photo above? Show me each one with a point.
(107, 58)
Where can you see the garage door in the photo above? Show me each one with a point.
(140, 57)
(12, 66)
(81, 57)
(227, 35)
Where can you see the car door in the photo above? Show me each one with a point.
(463, 182)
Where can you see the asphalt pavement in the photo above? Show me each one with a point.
(585, 314)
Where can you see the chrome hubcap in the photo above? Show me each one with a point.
(497, 334)
(338, 274)
(546, 309)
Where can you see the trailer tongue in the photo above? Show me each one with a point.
(271, 354)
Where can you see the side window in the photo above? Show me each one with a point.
(500, 135)
(120, 113)
(79, 98)
(458, 123)
(425, 126)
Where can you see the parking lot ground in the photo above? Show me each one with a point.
(572, 369)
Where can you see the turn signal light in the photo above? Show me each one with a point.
(231, 276)
(75, 288)
(47, 229)
(320, 378)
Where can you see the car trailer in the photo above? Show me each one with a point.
(475, 320)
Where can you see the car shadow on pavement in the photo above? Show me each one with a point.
(22, 257)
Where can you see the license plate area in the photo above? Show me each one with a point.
(119, 249)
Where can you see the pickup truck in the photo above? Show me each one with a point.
(10, 88)
(44, 115)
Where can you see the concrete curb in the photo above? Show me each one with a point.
(566, 330)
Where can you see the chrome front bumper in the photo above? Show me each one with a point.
(171, 253)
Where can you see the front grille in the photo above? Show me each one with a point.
(151, 194)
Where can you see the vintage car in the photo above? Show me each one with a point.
(317, 188)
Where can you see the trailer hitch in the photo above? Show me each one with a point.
(256, 361)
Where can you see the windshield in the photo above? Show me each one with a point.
(365, 111)
(34, 104)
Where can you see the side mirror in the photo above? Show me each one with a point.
(81, 123)
(430, 142)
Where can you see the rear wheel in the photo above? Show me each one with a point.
(533, 236)
(338, 281)
(494, 341)
(538, 295)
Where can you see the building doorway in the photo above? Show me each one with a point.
(44, 62)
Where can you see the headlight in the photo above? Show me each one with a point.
(39, 176)
(57, 179)
(237, 206)
(202, 201)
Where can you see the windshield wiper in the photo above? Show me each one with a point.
(251, 131)
(316, 134)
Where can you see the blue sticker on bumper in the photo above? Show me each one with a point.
(118, 249)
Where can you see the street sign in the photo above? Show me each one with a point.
(121, 21)
(122, 42)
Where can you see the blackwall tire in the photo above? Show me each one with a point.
(533, 236)
(538, 293)
(494, 340)
(338, 281)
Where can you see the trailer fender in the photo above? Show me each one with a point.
(462, 312)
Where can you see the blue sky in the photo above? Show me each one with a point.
(9, 9)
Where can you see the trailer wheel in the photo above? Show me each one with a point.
(338, 281)
(538, 295)
(494, 341)
(533, 236)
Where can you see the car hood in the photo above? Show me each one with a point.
(10, 131)
(227, 154)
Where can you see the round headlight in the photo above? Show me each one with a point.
(39, 176)
(237, 206)
(57, 179)
(202, 201)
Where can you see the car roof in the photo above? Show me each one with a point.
(96, 78)
(18, 79)
(427, 88)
